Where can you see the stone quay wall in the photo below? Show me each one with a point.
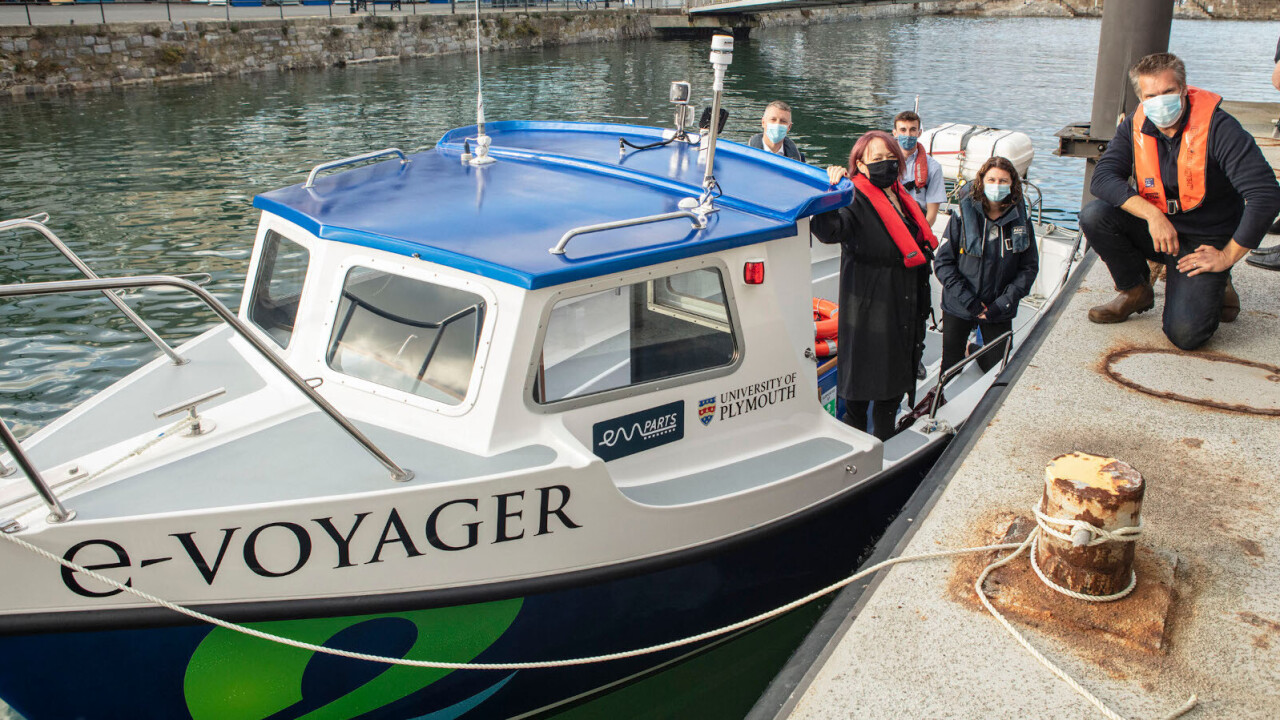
(51, 59)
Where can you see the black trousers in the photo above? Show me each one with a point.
(883, 415)
(1191, 304)
(955, 340)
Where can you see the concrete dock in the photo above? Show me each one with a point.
(918, 644)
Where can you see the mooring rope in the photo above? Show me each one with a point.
(1017, 548)
(1062, 675)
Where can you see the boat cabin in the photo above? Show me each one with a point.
(428, 294)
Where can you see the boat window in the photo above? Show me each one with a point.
(278, 286)
(638, 333)
(407, 334)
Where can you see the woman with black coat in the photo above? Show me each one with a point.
(988, 262)
(885, 248)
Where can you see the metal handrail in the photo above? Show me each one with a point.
(699, 223)
(36, 223)
(1038, 205)
(67, 286)
(57, 513)
(311, 178)
(954, 370)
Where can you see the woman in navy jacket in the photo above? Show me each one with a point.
(987, 263)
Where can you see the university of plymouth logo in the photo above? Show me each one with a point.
(707, 410)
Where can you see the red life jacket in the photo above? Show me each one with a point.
(909, 245)
(1193, 155)
(922, 169)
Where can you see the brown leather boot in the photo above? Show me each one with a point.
(1137, 299)
(1230, 303)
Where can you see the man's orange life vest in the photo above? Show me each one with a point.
(1193, 155)
(911, 246)
(922, 169)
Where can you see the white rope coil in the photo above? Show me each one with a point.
(1077, 528)
(1097, 535)
(1017, 548)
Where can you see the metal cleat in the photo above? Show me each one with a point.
(199, 426)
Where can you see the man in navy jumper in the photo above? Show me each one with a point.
(1205, 196)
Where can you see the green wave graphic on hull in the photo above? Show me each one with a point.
(232, 676)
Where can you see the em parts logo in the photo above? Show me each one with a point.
(707, 410)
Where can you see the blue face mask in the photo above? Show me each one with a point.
(1163, 110)
(907, 142)
(775, 132)
(994, 192)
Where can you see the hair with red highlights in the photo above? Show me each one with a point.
(860, 149)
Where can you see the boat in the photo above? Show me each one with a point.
(543, 392)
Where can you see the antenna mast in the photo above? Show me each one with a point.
(482, 140)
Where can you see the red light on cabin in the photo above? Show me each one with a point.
(753, 272)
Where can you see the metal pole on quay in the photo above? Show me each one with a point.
(1131, 30)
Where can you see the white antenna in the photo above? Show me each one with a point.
(482, 140)
(917, 110)
(721, 56)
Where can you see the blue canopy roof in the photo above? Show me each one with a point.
(499, 220)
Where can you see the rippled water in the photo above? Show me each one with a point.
(161, 179)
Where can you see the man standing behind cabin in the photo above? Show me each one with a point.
(922, 175)
(1205, 195)
(776, 123)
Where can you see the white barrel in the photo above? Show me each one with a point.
(961, 149)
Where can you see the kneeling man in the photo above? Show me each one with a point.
(1205, 196)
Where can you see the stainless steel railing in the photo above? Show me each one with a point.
(37, 223)
(311, 178)
(948, 373)
(56, 510)
(57, 513)
(699, 223)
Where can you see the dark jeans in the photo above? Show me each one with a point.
(1191, 304)
(955, 340)
(883, 414)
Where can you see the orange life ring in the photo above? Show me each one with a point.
(824, 347)
(826, 322)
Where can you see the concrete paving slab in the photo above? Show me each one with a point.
(1213, 500)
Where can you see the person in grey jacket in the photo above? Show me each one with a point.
(987, 262)
(776, 123)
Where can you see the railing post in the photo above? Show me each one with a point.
(945, 374)
(57, 513)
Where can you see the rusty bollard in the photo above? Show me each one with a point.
(1105, 493)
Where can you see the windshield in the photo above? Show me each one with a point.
(407, 334)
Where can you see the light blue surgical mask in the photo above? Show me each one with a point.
(775, 132)
(907, 142)
(1163, 110)
(996, 192)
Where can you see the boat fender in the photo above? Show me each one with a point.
(826, 319)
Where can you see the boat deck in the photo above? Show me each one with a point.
(918, 645)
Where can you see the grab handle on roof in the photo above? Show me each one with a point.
(311, 178)
(699, 222)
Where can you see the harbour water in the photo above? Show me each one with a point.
(161, 179)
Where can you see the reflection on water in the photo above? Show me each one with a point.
(161, 179)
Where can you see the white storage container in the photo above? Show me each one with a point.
(961, 149)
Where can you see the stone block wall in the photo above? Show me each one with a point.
(57, 59)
